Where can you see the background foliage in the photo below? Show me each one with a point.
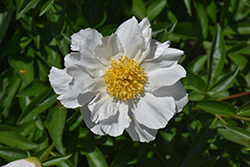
(212, 130)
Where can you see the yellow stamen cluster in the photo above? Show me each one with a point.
(125, 79)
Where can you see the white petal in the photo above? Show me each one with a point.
(157, 49)
(161, 55)
(177, 91)
(102, 107)
(85, 40)
(70, 96)
(87, 59)
(95, 128)
(111, 47)
(20, 163)
(82, 81)
(159, 77)
(154, 112)
(132, 40)
(59, 80)
(113, 126)
(139, 132)
(147, 34)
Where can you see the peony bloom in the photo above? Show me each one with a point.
(128, 81)
(28, 162)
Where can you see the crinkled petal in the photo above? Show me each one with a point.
(110, 48)
(82, 81)
(102, 107)
(20, 163)
(159, 77)
(162, 56)
(157, 49)
(177, 91)
(154, 112)
(132, 40)
(147, 34)
(113, 126)
(85, 40)
(139, 132)
(69, 97)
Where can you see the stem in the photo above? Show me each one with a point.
(222, 120)
(234, 96)
(242, 118)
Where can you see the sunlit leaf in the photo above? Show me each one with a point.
(55, 160)
(55, 124)
(12, 154)
(46, 7)
(216, 58)
(11, 137)
(217, 107)
(155, 8)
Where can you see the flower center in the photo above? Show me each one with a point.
(124, 79)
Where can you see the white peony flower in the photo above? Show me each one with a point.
(28, 162)
(131, 81)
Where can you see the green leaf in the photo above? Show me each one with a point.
(55, 124)
(216, 58)
(4, 22)
(39, 104)
(46, 7)
(165, 33)
(224, 83)
(202, 19)
(28, 24)
(96, 158)
(94, 155)
(200, 144)
(188, 6)
(9, 87)
(155, 8)
(32, 89)
(181, 30)
(26, 8)
(11, 137)
(12, 154)
(23, 65)
(66, 163)
(138, 9)
(55, 160)
(195, 83)
(240, 61)
(217, 107)
(197, 64)
(236, 135)
(244, 110)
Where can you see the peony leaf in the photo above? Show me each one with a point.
(12, 154)
(155, 8)
(224, 83)
(28, 5)
(217, 107)
(203, 19)
(13, 138)
(236, 135)
(188, 6)
(46, 7)
(216, 58)
(56, 159)
(244, 110)
(55, 124)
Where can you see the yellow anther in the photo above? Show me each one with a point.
(124, 79)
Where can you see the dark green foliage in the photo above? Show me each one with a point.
(212, 130)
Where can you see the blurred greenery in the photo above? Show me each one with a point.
(212, 130)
